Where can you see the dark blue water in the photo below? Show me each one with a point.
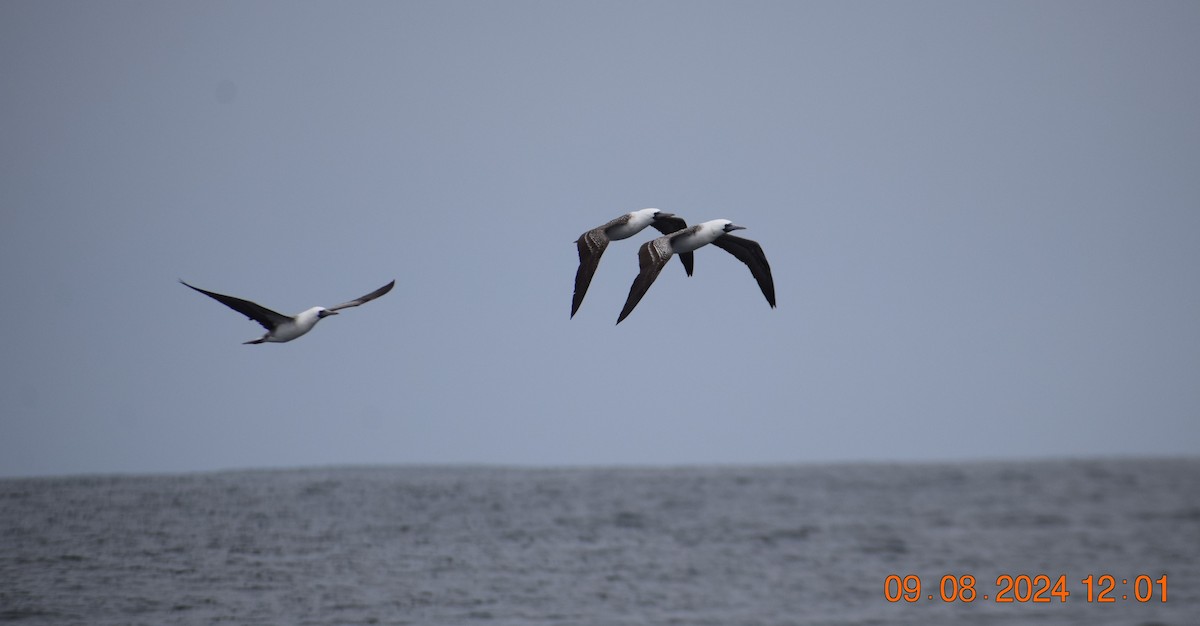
(719, 546)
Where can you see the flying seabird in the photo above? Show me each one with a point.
(653, 255)
(592, 244)
(280, 327)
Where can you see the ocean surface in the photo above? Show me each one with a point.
(804, 544)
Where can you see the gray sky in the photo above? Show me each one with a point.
(983, 221)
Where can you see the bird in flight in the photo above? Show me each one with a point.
(280, 327)
(654, 254)
(592, 244)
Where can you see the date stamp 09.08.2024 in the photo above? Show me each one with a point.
(1103, 588)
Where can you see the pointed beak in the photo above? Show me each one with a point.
(324, 314)
(733, 227)
(662, 214)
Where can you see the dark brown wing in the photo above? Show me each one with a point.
(668, 225)
(750, 253)
(591, 246)
(268, 318)
(365, 299)
(651, 260)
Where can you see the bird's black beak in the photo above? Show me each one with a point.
(662, 214)
(732, 227)
(324, 314)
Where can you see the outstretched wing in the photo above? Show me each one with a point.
(668, 225)
(651, 259)
(591, 246)
(750, 253)
(268, 318)
(365, 299)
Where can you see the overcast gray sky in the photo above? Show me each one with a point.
(983, 220)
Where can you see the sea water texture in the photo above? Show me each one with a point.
(807, 544)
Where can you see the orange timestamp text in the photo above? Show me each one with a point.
(1025, 588)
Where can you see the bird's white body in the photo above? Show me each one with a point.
(301, 323)
(699, 236)
(638, 221)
